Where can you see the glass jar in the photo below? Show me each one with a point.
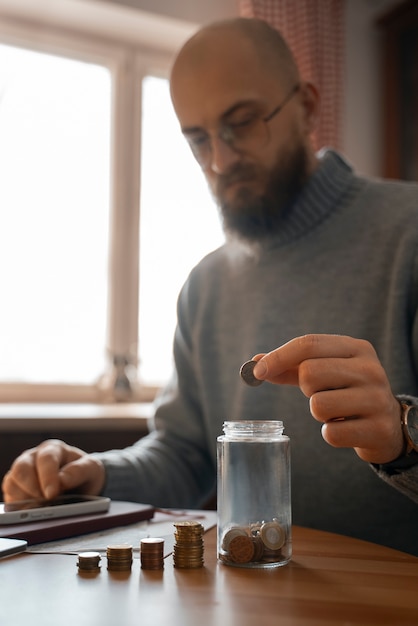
(254, 505)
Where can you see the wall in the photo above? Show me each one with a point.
(363, 90)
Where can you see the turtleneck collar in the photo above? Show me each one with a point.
(322, 192)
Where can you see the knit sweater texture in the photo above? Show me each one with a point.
(345, 262)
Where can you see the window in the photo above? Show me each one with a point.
(106, 209)
(54, 222)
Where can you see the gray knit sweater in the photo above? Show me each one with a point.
(345, 262)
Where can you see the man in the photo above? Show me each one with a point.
(319, 262)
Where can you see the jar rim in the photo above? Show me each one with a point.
(261, 423)
(258, 427)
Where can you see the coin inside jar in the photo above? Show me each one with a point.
(241, 549)
(247, 374)
(230, 534)
(272, 535)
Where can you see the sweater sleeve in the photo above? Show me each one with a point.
(172, 466)
(405, 481)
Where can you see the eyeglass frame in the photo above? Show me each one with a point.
(226, 132)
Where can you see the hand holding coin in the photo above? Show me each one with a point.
(348, 389)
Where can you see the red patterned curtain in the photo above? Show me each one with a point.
(314, 30)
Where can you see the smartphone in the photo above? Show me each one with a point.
(12, 546)
(66, 505)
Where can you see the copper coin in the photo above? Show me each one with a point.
(258, 548)
(235, 531)
(241, 549)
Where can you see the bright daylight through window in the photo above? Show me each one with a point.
(54, 198)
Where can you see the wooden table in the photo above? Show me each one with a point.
(331, 580)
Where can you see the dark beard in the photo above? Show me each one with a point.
(254, 217)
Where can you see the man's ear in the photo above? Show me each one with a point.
(311, 103)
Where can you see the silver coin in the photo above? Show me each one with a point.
(246, 373)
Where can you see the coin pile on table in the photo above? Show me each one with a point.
(89, 562)
(119, 558)
(188, 547)
(152, 553)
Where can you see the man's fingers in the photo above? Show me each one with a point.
(86, 474)
(288, 357)
(21, 481)
(49, 458)
(12, 491)
(359, 433)
(35, 473)
(289, 377)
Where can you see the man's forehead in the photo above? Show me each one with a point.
(217, 82)
(209, 104)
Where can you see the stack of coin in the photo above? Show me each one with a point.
(188, 548)
(89, 562)
(119, 558)
(152, 553)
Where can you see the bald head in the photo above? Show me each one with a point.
(238, 38)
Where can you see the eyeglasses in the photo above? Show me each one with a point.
(248, 132)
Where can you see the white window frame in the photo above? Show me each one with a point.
(131, 44)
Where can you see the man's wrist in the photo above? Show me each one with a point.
(399, 465)
(409, 456)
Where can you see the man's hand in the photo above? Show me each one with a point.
(52, 468)
(348, 391)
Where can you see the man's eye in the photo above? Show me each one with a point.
(245, 119)
(197, 141)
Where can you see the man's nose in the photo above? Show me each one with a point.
(222, 155)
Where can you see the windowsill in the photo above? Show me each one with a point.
(38, 417)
